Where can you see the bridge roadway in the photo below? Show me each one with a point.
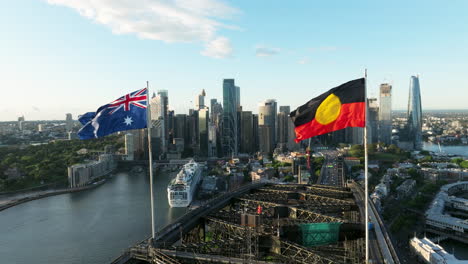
(185, 223)
(380, 231)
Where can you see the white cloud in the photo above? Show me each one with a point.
(218, 48)
(165, 20)
(262, 51)
(304, 61)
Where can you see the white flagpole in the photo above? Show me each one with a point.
(366, 191)
(150, 157)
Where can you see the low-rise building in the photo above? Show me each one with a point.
(405, 188)
(13, 173)
(431, 253)
(351, 161)
(82, 174)
(438, 218)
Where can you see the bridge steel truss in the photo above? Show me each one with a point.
(340, 193)
(222, 237)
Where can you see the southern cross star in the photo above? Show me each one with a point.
(128, 120)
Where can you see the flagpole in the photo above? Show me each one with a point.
(366, 191)
(150, 157)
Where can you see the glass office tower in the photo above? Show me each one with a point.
(231, 94)
(385, 114)
(415, 113)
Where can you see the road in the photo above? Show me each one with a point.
(332, 170)
(332, 174)
(374, 251)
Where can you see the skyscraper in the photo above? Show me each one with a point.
(255, 132)
(372, 120)
(292, 145)
(267, 125)
(203, 119)
(180, 128)
(216, 112)
(415, 113)
(230, 125)
(68, 122)
(247, 133)
(200, 100)
(20, 122)
(385, 113)
(283, 124)
(159, 120)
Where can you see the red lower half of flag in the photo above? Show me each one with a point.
(351, 115)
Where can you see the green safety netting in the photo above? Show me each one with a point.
(318, 234)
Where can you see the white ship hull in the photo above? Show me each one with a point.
(181, 190)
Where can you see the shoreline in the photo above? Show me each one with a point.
(48, 194)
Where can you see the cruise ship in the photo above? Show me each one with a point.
(181, 189)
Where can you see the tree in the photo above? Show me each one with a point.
(464, 164)
(393, 149)
(427, 159)
(289, 178)
(372, 148)
(357, 151)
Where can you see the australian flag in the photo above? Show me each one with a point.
(127, 112)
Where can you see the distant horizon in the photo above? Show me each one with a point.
(393, 110)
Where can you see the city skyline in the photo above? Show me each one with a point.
(104, 57)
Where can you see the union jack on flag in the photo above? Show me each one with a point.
(137, 98)
(125, 113)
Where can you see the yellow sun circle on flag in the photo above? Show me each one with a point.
(329, 110)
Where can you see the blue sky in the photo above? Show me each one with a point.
(72, 56)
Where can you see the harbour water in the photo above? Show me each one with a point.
(455, 150)
(93, 226)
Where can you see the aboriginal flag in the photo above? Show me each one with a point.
(341, 107)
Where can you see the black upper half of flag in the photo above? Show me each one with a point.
(350, 92)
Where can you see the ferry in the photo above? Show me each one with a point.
(181, 190)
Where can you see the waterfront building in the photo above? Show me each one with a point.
(430, 252)
(414, 125)
(231, 97)
(446, 200)
(385, 114)
(267, 125)
(247, 133)
(372, 120)
(68, 122)
(129, 147)
(82, 174)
